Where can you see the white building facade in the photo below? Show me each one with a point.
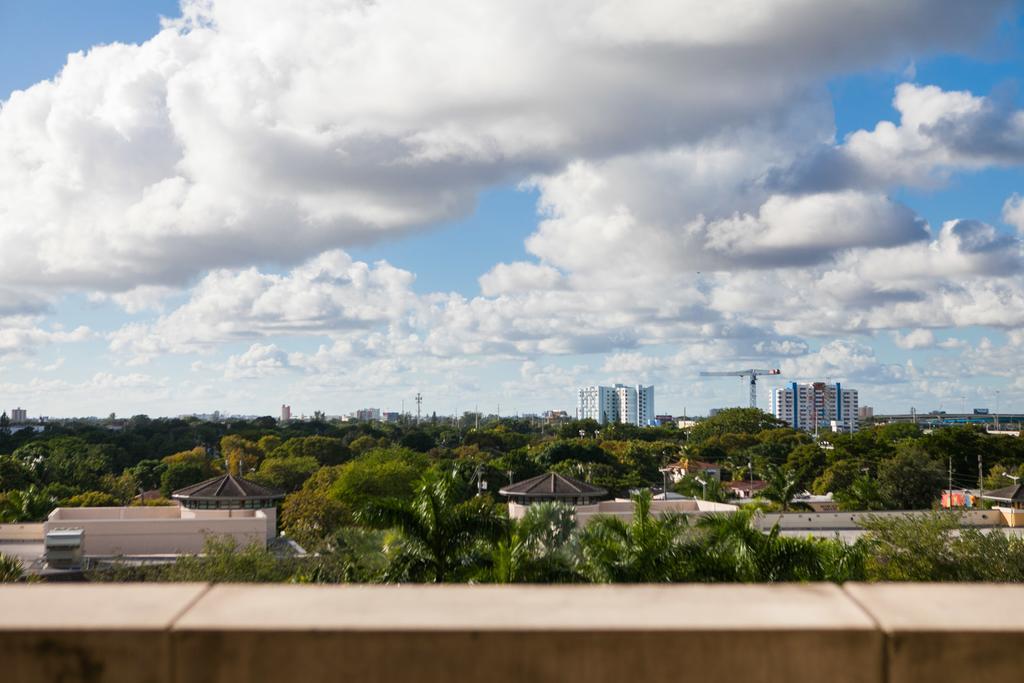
(620, 403)
(816, 406)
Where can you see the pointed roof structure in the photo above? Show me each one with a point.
(552, 486)
(227, 491)
(1012, 494)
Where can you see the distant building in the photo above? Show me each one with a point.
(818, 406)
(551, 416)
(865, 413)
(19, 415)
(620, 403)
(368, 415)
(744, 489)
(696, 468)
(391, 418)
(663, 420)
(286, 413)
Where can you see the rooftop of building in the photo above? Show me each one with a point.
(553, 485)
(226, 487)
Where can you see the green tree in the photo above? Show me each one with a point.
(806, 463)
(27, 505)
(417, 440)
(912, 548)
(731, 548)
(269, 443)
(441, 530)
(148, 473)
(911, 479)
(377, 475)
(286, 474)
(862, 494)
(327, 450)
(711, 489)
(14, 474)
(11, 569)
(90, 499)
(178, 475)
(222, 561)
(311, 515)
(537, 548)
(644, 550)
(837, 477)
(734, 421)
(781, 486)
(363, 444)
(242, 455)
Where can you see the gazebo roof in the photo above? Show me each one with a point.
(226, 487)
(1014, 493)
(552, 485)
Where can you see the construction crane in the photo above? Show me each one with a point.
(752, 374)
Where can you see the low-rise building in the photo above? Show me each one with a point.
(744, 489)
(224, 506)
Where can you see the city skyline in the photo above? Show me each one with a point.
(231, 209)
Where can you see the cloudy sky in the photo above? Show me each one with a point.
(233, 204)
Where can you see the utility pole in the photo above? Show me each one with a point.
(997, 409)
(419, 400)
(981, 485)
(750, 468)
(949, 490)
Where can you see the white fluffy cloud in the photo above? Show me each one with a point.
(243, 133)
(939, 132)
(1013, 212)
(694, 204)
(915, 339)
(260, 360)
(21, 336)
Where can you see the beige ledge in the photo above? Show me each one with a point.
(190, 633)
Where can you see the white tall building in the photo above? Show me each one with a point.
(828, 407)
(620, 403)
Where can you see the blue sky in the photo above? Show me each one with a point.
(337, 209)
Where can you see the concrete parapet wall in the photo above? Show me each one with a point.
(22, 532)
(157, 535)
(859, 633)
(852, 520)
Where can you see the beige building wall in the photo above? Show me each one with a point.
(164, 530)
(21, 532)
(623, 509)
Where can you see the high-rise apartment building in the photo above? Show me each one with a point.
(620, 403)
(286, 413)
(19, 415)
(821, 406)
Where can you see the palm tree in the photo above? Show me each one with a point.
(781, 486)
(726, 545)
(440, 530)
(537, 548)
(730, 548)
(10, 569)
(647, 549)
(25, 505)
(862, 494)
